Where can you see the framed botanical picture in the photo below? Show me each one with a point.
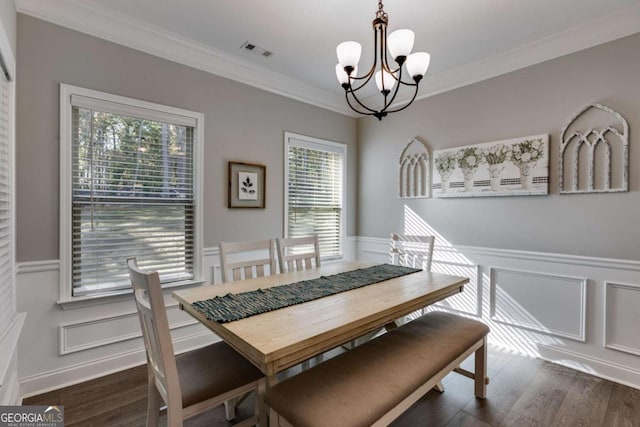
(247, 185)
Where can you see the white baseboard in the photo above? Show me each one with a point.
(591, 365)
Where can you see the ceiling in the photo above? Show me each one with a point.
(469, 40)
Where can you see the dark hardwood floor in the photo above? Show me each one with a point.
(522, 392)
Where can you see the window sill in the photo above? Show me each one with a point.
(73, 303)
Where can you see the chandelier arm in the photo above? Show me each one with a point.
(358, 101)
(408, 103)
(372, 70)
(383, 53)
(367, 77)
(358, 111)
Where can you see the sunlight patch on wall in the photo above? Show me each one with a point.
(476, 300)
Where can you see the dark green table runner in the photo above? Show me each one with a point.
(230, 307)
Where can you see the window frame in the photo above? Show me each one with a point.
(65, 297)
(324, 145)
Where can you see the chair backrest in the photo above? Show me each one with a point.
(411, 251)
(234, 262)
(155, 332)
(298, 253)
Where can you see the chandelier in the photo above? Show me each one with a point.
(399, 45)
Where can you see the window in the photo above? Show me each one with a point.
(129, 185)
(315, 191)
(7, 287)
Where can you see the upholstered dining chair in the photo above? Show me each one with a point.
(298, 253)
(192, 382)
(238, 259)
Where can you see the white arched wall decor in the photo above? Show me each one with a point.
(591, 159)
(414, 172)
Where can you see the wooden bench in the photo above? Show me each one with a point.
(374, 383)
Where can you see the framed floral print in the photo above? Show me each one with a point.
(513, 167)
(247, 183)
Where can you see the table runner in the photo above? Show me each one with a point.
(230, 307)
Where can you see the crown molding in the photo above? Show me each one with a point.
(106, 24)
(604, 29)
(118, 28)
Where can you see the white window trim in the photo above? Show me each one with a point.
(65, 298)
(10, 336)
(314, 143)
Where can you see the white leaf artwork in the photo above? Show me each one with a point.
(247, 186)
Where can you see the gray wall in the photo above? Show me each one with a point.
(538, 99)
(241, 123)
(8, 18)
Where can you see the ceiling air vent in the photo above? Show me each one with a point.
(256, 50)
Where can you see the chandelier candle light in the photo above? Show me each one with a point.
(399, 45)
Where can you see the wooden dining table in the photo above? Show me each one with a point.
(280, 339)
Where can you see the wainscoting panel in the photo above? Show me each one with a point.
(578, 311)
(87, 334)
(61, 347)
(551, 304)
(468, 302)
(622, 317)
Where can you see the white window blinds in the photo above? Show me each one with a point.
(7, 287)
(314, 191)
(132, 195)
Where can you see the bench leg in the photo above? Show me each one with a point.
(481, 370)
(439, 387)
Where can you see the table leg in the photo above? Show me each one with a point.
(263, 412)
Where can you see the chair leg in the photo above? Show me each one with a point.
(174, 416)
(261, 408)
(273, 418)
(230, 409)
(481, 371)
(153, 405)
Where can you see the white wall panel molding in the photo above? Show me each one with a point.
(98, 332)
(609, 263)
(57, 378)
(470, 301)
(8, 362)
(10, 390)
(376, 245)
(380, 246)
(539, 302)
(622, 317)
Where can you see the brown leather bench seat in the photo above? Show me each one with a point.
(375, 382)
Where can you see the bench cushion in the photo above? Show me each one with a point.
(358, 387)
